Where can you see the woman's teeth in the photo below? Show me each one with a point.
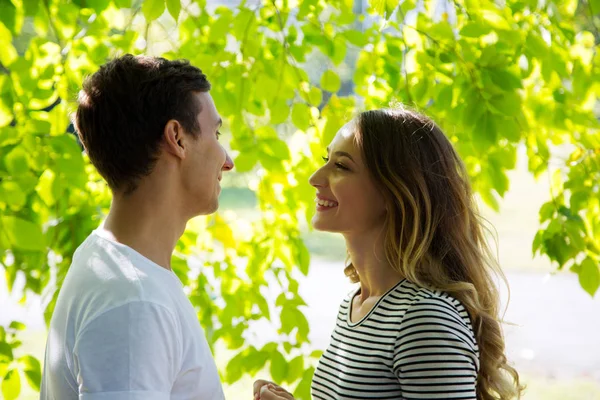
(326, 203)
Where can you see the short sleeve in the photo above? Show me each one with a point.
(130, 352)
(435, 354)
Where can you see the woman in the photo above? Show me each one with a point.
(424, 323)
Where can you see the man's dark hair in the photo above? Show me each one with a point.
(124, 107)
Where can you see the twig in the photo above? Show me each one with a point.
(592, 22)
(52, 25)
(285, 43)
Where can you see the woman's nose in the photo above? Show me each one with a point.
(317, 179)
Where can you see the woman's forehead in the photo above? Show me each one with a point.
(344, 138)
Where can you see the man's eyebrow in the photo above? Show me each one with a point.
(219, 123)
(342, 154)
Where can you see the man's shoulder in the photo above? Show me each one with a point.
(104, 275)
(101, 268)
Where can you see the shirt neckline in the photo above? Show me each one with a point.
(106, 235)
(367, 315)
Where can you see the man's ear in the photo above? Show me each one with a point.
(174, 138)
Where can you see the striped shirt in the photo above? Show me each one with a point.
(415, 343)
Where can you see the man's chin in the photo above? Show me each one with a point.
(207, 209)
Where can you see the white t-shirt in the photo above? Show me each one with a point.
(123, 329)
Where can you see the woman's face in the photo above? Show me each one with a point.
(347, 198)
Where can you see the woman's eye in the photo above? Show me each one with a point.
(218, 134)
(337, 165)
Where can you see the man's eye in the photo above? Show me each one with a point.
(326, 159)
(218, 134)
(341, 166)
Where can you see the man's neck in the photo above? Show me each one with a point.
(149, 223)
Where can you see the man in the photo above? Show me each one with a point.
(123, 327)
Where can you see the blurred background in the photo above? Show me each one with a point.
(514, 84)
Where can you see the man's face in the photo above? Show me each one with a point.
(205, 161)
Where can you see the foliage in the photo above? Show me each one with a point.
(283, 72)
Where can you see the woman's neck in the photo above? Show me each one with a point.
(367, 255)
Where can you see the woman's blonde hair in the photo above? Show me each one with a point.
(433, 233)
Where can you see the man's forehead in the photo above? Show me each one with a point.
(208, 108)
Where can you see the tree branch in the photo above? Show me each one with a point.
(55, 31)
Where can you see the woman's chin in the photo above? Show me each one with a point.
(323, 226)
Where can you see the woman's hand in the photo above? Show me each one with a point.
(265, 390)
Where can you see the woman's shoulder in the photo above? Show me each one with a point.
(430, 301)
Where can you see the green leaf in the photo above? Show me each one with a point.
(303, 257)
(174, 7)
(301, 116)
(245, 161)
(153, 9)
(275, 147)
(505, 79)
(31, 7)
(8, 15)
(234, 369)
(498, 178)
(295, 369)
(340, 48)
(384, 7)
(475, 29)
(315, 96)
(579, 200)
(442, 31)
(17, 161)
(538, 240)
(279, 367)
(568, 7)
(316, 354)
(16, 325)
(8, 53)
(508, 104)
(589, 276)
(279, 112)
(536, 45)
(547, 211)
(12, 195)
(330, 81)
(485, 134)
(444, 98)
(576, 235)
(33, 372)
(48, 187)
(490, 199)
(496, 20)
(6, 352)
(6, 115)
(11, 385)
(406, 6)
(302, 391)
(22, 234)
(97, 5)
(355, 37)
(510, 129)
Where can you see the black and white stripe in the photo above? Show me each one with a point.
(415, 343)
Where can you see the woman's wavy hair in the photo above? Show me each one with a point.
(433, 234)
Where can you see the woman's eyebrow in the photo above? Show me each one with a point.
(344, 154)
